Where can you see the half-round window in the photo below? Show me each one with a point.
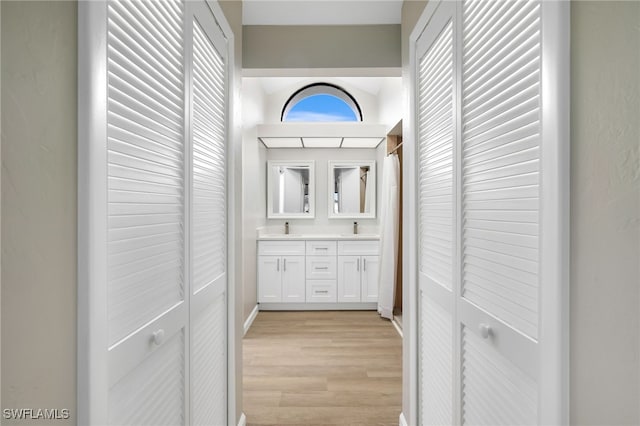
(321, 102)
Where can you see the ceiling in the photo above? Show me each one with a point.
(321, 12)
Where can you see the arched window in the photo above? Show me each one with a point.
(321, 102)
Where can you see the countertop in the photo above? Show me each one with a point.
(316, 237)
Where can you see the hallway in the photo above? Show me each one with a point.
(329, 368)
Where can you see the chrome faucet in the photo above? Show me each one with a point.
(286, 227)
(355, 227)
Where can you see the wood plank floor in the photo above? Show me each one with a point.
(322, 368)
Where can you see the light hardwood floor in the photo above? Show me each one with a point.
(322, 368)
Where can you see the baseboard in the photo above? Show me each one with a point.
(402, 421)
(242, 421)
(397, 327)
(249, 321)
(360, 306)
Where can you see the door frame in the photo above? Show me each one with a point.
(92, 183)
(555, 245)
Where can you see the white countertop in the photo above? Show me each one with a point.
(307, 237)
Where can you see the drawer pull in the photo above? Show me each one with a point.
(321, 267)
(322, 291)
(322, 248)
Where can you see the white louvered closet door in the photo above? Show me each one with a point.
(146, 304)
(501, 203)
(153, 196)
(208, 219)
(436, 216)
(492, 169)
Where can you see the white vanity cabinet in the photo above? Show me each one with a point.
(321, 271)
(313, 274)
(358, 271)
(281, 272)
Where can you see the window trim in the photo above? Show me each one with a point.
(317, 89)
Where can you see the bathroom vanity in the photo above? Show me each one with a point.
(318, 272)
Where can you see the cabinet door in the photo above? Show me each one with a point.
(293, 279)
(269, 279)
(349, 278)
(370, 278)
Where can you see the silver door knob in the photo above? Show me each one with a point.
(158, 337)
(485, 330)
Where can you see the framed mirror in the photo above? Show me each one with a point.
(352, 189)
(290, 189)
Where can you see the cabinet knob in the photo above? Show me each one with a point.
(158, 337)
(485, 330)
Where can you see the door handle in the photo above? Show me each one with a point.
(358, 264)
(278, 265)
(364, 264)
(485, 330)
(158, 337)
(284, 264)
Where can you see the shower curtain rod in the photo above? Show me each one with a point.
(395, 149)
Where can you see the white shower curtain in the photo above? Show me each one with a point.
(389, 221)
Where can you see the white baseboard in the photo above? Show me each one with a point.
(249, 321)
(242, 421)
(402, 421)
(397, 327)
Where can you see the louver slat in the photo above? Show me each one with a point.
(145, 164)
(500, 161)
(152, 394)
(435, 151)
(209, 358)
(495, 391)
(209, 166)
(435, 126)
(436, 367)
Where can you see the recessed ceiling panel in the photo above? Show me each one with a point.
(282, 142)
(361, 142)
(322, 142)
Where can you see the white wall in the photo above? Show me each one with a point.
(605, 219)
(233, 13)
(390, 102)
(254, 188)
(411, 11)
(39, 205)
(322, 222)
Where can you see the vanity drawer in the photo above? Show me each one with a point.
(319, 291)
(281, 248)
(321, 267)
(358, 248)
(321, 248)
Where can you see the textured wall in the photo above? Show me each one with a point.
(605, 190)
(39, 205)
(321, 46)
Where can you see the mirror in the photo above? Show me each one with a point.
(352, 189)
(290, 189)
